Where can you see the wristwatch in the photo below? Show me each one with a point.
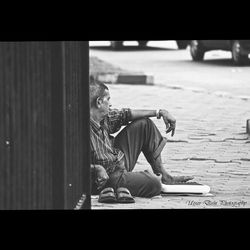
(158, 116)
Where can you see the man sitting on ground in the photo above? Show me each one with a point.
(113, 158)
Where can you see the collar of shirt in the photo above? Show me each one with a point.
(96, 127)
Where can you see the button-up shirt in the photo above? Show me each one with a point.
(102, 147)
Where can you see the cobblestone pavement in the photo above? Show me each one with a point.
(210, 144)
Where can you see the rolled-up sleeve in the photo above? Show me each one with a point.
(117, 118)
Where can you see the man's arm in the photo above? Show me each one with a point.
(169, 120)
(141, 113)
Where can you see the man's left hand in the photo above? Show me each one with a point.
(169, 120)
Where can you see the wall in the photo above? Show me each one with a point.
(44, 114)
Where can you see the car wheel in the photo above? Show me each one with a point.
(237, 57)
(182, 44)
(142, 43)
(116, 44)
(196, 50)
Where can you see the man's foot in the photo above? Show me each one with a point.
(175, 179)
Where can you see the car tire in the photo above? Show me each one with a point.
(196, 50)
(237, 57)
(182, 44)
(142, 43)
(115, 45)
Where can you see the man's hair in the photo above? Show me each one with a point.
(96, 89)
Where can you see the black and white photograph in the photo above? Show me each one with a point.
(176, 113)
(125, 124)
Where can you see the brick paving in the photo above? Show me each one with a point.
(210, 143)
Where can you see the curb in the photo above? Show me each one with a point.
(123, 78)
(248, 126)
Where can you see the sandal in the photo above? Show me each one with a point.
(124, 196)
(107, 195)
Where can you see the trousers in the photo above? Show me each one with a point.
(141, 135)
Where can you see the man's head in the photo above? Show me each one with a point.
(99, 98)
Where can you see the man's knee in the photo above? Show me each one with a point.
(143, 122)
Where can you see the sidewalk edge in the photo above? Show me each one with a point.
(124, 78)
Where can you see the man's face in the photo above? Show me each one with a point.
(105, 103)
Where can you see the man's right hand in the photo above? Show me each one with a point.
(102, 176)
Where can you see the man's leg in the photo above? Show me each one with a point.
(141, 136)
(140, 184)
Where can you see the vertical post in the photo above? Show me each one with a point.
(85, 200)
(86, 134)
(58, 123)
(248, 126)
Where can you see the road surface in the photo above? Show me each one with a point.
(211, 103)
(173, 67)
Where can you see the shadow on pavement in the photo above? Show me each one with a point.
(218, 62)
(130, 48)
